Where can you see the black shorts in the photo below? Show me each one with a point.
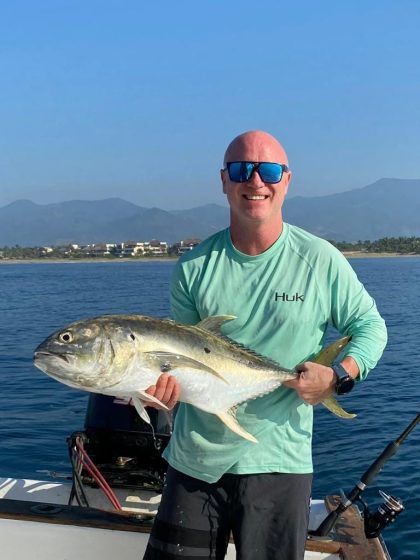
(267, 514)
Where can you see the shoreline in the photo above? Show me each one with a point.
(87, 260)
(365, 255)
(347, 254)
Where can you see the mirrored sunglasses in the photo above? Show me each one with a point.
(241, 171)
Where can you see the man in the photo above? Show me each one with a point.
(284, 286)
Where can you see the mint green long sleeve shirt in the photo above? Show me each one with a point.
(284, 299)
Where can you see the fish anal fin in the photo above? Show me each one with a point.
(229, 420)
(327, 355)
(334, 406)
(214, 323)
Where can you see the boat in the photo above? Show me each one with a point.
(104, 508)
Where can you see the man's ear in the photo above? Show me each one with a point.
(223, 178)
(287, 181)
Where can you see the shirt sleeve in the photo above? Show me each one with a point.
(354, 313)
(183, 309)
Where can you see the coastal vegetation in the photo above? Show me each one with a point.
(398, 245)
(386, 245)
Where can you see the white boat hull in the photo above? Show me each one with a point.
(37, 524)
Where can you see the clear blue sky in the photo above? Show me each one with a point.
(139, 100)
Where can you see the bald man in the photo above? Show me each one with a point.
(285, 286)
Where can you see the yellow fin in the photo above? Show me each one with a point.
(327, 355)
(326, 358)
(334, 406)
(229, 420)
(213, 324)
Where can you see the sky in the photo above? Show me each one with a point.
(139, 100)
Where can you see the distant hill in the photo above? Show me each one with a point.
(387, 208)
(112, 220)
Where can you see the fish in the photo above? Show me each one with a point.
(123, 355)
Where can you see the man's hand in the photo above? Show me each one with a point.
(167, 390)
(315, 382)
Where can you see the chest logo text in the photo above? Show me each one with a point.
(288, 297)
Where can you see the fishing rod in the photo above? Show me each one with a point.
(374, 523)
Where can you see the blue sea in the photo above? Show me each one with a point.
(37, 414)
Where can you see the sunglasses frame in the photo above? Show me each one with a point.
(255, 167)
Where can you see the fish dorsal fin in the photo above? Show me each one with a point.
(214, 323)
(268, 362)
(229, 420)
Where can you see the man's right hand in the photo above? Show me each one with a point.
(167, 390)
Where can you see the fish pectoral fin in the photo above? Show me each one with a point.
(143, 396)
(229, 420)
(169, 361)
(214, 323)
(327, 355)
(141, 411)
(334, 406)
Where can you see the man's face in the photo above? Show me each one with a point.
(255, 201)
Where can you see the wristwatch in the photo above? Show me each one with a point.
(345, 382)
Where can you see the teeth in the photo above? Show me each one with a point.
(254, 197)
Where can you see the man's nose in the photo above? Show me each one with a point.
(255, 180)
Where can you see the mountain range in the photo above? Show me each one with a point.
(386, 208)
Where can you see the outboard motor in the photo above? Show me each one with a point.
(125, 449)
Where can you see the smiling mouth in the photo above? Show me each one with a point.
(255, 196)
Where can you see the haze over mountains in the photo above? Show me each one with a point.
(387, 208)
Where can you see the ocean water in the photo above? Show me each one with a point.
(37, 413)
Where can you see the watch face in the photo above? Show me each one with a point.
(345, 385)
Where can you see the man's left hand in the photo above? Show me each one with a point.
(167, 390)
(314, 383)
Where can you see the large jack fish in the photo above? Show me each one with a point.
(122, 355)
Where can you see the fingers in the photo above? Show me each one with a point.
(175, 395)
(292, 384)
(167, 390)
(314, 382)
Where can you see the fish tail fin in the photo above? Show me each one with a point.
(328, 354)
(229, 420)
(326, 357)
(334, 406)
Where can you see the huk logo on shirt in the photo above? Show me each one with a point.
(288, 297)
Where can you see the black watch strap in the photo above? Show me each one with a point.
(345, 382)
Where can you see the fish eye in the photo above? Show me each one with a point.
(65, 337)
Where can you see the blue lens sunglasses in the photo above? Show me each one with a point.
(241, 171)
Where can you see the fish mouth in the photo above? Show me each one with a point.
(59, 366)
(45, 354)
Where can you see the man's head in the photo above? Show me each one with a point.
(255, 194)
(257, 145)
